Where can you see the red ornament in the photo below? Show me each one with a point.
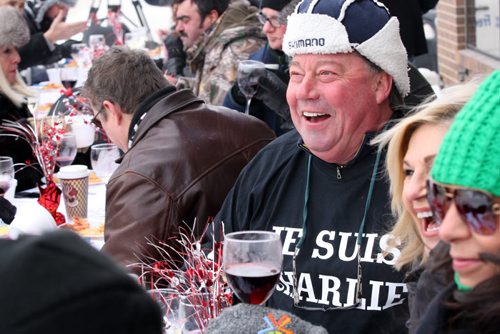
(50, 197)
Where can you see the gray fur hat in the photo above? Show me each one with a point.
(41, 7)
(13, 30)
(252, 319)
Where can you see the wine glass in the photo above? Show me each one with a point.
(80, 54)
(249, 72)
(252, 264)
(32, 104)
(6, 173)
(169, 301)
(69, 76)
(66, 150)
(102, 158)
(97, 45)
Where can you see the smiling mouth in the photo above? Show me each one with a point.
(315, 117)
(428, 220)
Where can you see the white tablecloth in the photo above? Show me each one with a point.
(96, 209)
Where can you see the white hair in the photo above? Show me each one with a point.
(17, 92)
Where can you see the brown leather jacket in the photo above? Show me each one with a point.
(184, 159)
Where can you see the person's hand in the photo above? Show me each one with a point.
(176, 57)
(61, 30)
(272, 92)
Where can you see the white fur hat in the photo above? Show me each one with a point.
(13, 29)
(344, 26)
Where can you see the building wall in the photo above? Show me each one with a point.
(457, 62)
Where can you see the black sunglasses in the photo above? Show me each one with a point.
(274, 21)
(476, 207)
(95, 120)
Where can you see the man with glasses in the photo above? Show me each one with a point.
(321, 186)
(268, 102)
(216, 35)
(180, 159)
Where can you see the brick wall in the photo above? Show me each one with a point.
(456, 63)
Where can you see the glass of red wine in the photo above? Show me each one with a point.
(66, 149)
(6, 173)
(252, 264)
(249, 72)
(69, 77)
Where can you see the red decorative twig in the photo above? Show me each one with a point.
(200, 281)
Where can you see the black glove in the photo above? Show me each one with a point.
(176, 60)
(237, 95)
(272, 92)
(7, 210)
(65, 48)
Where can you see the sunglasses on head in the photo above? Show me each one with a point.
(475, 207)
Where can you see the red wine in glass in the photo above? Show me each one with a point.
(68, 83)
(253, 283)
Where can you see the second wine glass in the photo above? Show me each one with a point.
(252, 264)
(66, 149)
(69, 76)
(249, 72)
(102, 158)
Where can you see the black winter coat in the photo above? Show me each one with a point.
(409, 14)
(17, 148)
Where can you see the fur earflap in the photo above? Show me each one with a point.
(13, 30)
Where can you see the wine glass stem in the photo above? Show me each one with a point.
(247, 109)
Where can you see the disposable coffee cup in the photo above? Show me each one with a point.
(75, 189)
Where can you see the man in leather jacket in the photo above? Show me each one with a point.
(181, 155)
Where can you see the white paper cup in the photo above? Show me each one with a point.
(75, 188)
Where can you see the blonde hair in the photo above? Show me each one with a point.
(17, 92)
(434, 111)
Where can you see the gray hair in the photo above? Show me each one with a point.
(13, 30)
(125, 77)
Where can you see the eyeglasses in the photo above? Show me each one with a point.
(475, 207)
(95, 120)
(274, 21)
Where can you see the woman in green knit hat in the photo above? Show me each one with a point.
(464, 195)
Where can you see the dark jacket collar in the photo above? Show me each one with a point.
(160, 105)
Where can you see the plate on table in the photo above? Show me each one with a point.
(93, 179)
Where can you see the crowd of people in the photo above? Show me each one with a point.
(385, 195)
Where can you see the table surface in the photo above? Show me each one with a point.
(95, 216)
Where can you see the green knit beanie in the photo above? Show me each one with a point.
(470, 153)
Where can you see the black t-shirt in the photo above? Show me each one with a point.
(269, 195)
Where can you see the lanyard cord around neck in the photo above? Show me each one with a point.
(305, 215)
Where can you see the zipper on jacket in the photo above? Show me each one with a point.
(339, 172)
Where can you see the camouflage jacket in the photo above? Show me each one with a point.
(214, 59)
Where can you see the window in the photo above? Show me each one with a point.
(482, 26)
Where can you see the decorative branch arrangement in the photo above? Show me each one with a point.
(200, 282)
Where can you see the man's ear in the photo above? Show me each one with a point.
(383, 86)
(114, 112)
(210, 18)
